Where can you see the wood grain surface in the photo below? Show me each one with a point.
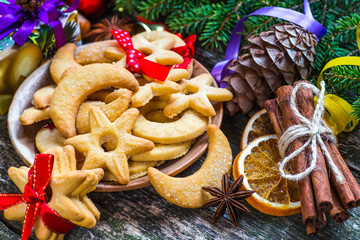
(143, 214)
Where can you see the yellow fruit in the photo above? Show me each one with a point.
(258, 162)
(258, 125)
(27, 59)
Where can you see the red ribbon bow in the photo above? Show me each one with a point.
(187, 51)
(34, 197)
(136, 62)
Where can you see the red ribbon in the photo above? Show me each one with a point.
(187, 51)
(34, 197)
(136, 62)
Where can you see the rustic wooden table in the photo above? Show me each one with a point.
(143, 214)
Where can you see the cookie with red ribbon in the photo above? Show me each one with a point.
(66, 207)
(155, 55)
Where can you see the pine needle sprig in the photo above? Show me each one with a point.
(356, 107)
(153, 9)
(193, 22)
(346, 27)
(343, 78)
(218, 30)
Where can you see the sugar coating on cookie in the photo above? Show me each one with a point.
(187, 192)
(74, 88)
(196, 94)
(114, 160)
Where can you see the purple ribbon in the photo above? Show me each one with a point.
(13, 17)
(306, 21)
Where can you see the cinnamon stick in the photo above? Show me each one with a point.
(343, 189)
(272, 109)
(299, 163)
(320, 221)
(338, 213)
(311, 229)
(306, 103)
(354, 186)
(319, 175)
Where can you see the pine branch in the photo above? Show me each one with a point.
(219, 29)
(343, 78)
(356, 107)
(152, 9)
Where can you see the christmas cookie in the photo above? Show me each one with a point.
(48, 137)
(42, 97)
(32, 115)
(196, 94)
(152, 89)
(63, 59)
(190, 125)
(187, 192)
(94, 53)
(112, 110)
(69, 188)
(157, 46)
(74, 89)
(114, 160)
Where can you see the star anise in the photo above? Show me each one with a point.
(101, 31)
(229, 198)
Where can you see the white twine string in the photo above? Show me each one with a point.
(313, 129)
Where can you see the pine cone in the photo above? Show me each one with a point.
(280, 56)
(30, 5)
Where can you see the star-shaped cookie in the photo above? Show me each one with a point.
(196, 94)
(117, 133)
(69, 188)
(153, 89)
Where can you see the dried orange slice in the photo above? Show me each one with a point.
(258, 125)
(258, 162)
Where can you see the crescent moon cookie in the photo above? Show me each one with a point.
(156, 45)
(33, 115)
(187, 191)
(75, 87)
(95, 53)
(69, 188)
(63, 59)
(189, 126)
(42, 97)
(196, 94)
(116, 160)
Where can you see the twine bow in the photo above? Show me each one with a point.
(34, 197)
(14, 18)
(313, 129)
(136, 62)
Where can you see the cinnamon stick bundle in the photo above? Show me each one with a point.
(320, 192)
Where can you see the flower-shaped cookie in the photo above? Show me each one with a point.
(69, 188)
(118, 133)
(196, 94)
